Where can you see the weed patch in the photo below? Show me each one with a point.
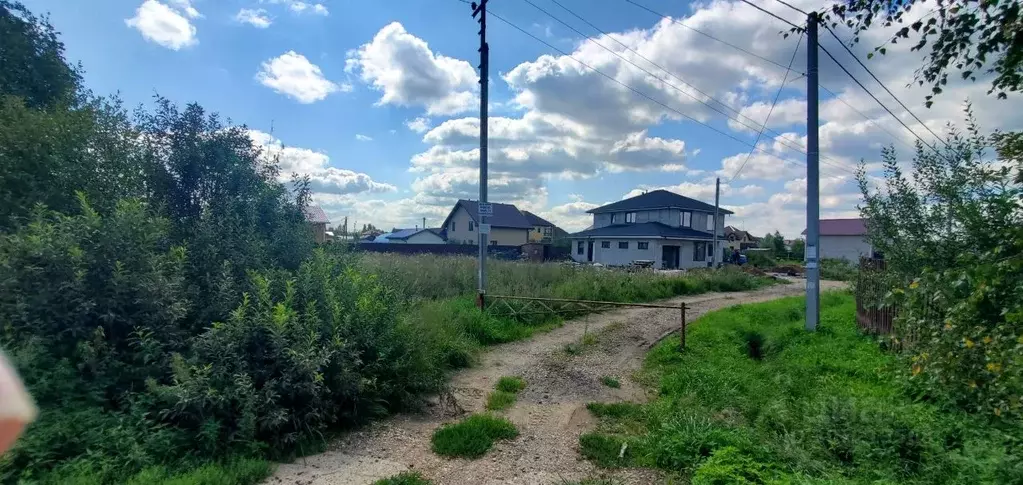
(473, 436)
(756, 399)
(498, 400)
(404, 478)
(510, 384)
(611, 382)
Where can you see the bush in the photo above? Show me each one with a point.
(499, 400)
(727, 466)
(837, 270)
(473, 436)
(510, 384)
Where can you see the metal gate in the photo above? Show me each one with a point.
(519, 307)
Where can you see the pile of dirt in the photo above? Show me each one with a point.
(753, 270)
(788, 269)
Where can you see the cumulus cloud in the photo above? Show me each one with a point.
(323, 178)
(403, 68)
(361, 137)
(418, 125)
(164, 25)
(255, 17)
(301, 7)
(293, 75)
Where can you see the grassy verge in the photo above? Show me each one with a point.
(473, 436)
(756, 399)
(405, 478)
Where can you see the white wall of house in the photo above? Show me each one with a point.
(847, 247)
(614, 255)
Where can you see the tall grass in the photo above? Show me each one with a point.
(823, 407)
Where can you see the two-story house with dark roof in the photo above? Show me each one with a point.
(669, 229)
(508, 226)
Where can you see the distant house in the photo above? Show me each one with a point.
(669, 229)
(739, 239)
(508, 226)
(317, 220)
(411, 236)
(543, 232)
(844, 239)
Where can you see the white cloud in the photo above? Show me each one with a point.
(255, 17)
(293, 75)
(185, 6)
(323, 177)
(361, 137)
(163, 25)
(408, 73)
(572, 216)
(418, 125)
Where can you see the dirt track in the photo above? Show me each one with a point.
(550, 413)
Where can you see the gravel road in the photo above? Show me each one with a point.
(550, 413)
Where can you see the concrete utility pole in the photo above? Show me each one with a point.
(813, 213)
(717, 220)
(484, 208)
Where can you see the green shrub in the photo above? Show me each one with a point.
(510, 384)
(761, 259)
(473, 436)
(404, 478)
(837, 270)
(606, 450)
(499, 400)
(727, 466)
(610, 381)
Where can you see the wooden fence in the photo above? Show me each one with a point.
(872, 285)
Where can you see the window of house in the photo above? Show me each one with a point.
(700, 251)
(687, 219)
(623, 244)
(471, 225)
(642, 245)
(579, 247)
(605, 244)
(710, 222)
(630, 217)
(493, 243)
(616, 218)
(710, 251)
(452, 226)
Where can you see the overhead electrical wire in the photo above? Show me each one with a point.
(769, 112)
(872, 75)
(798, 147)
(640, 93)
(890, 93)
(768, 12)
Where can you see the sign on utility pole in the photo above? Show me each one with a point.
(813, 213)
(484, 51)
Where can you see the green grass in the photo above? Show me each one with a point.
(823, 407)
(611, 382)
(404, 478)
(473, 436)
(505, 392)
(510, 384)
(242, 471)
(499, 400)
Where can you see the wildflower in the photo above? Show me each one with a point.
(987, 340)
(914, 285)
(994, 367)
(968, 343)
(917, 369)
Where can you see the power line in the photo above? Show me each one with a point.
(769, 112)
(789, 5)
(890, 93)
(758, 56)
(636, 91)
(768, 12)
(868, 118)
(591, 39)
(857, 81)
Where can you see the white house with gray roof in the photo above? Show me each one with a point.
(671, 230)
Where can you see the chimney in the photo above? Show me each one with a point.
(424, 223)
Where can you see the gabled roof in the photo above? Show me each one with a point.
(643, 229)
(505, 215)
(315, 214)
(739, 233)
(657, 199)
(842, 227)
(536, 220)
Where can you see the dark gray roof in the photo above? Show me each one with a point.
(536, 220)
(643, 229)
(505, 215)
(657, 199)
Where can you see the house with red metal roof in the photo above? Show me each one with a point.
(844, 239)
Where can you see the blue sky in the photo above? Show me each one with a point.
(338, 81)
